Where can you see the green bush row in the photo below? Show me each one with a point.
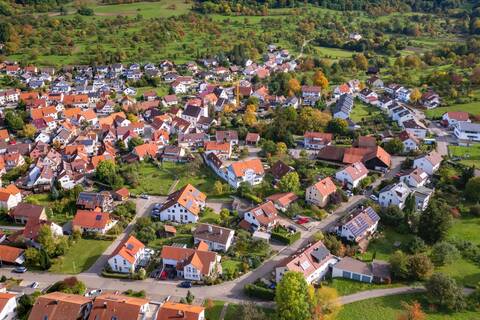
(286, 238)
(255, 291)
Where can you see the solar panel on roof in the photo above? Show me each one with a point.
(98, 217)
(305, 265)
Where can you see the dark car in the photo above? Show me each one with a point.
(20, 270)
(185, 284)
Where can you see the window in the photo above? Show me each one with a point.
(346, 274)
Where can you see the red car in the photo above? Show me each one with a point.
(163, 275)
(303, 220)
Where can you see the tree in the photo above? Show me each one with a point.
(392, 216)
(289, 182)
(46, 239)
(420, 266)
(44, 260)
(444, 253)
(190, 297)
(292, 298)
(325, 304)
(106, 173)
(338, 126)
(218, 187)
(394, 146)
(399, 265)
(281, 148)
(268, 147)
(294, 87)
(360, 61)
(443, 292)
(335, 246)
(135, 141)
(29, 131)
(311, 119)
(13, 121)
(32, 257)
(435, 222)
(472, 189)
(415, 95)
(412, 311)
(320, 80)
(250, 117)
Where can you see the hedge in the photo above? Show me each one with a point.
(287, 239)
(255, 291)
(116, 275)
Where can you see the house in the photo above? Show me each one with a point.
(217, 238)
(343, 107)
(229, 136)
(378, 271)
(368, 96)
(250, 171)
(414, 178)
(430, 99)
(170, 100)
(319, 193)
(26, 211)
(173, 154)
(172, 310)
(59, 305)
(311, 92)
(264, 216)
(282, 200)
(313, 262)
(192, 140)
(191, 264)
(394, 195)
(145, 151)
(415, 128)
(8, 306)
(404, 95)
(467, 131)
(422, 196)
(392, 89)
(360, 226)
(316, 140)
(110, 306)
(10, 197)
(429, 163)
(341, 90)
(92, 221)
(127, 256)
(280, 169)
(252, 139)
(223, 150)
(451, 118)
(351, 175)
(93, 200)
(11, 255)
(374, 158)
(121, 194)
(183, 206)
(410, 142)
(374, 82)
(384, 102)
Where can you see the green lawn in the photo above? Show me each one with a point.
(155, 180)
(384, 245)
(345, 287)
(470, 155)
(157, 244)
(388, 308)
(213, 313)
(230, 266)
(233, 311)
(361, 111)
(472, 108)
(467, 228)
(80, 256)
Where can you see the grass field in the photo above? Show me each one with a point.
(361, 111)
(163, 8)
(472, 108)
(466, 228)
(157, 181)
(388, 308)
(384, 245)
(80, 256)
(213, 313)
(470, 155)
(345, 286)
(463, 271)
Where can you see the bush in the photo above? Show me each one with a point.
(475, 210)
(107, 274)
(256, 291)
(444, 253)
(85, 11)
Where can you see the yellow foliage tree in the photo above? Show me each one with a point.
(250, 118)
(229, 108)
(415, 95)
(294, 87)
(325, 304)
(320, 80)
(281, 148)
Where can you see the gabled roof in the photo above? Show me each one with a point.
(128, 249)
(188, 197)
(265, 213)
(283, 199)
(31, 211)
(58, 305)
(111, 306)
(325, 187)
(458, 115)
(10, 254)
(91, 219)
(356, 170)
(179, 311)
(240, 167)
(213, 233)
(361, 221)
(279, 169)
(433, 157)
(201, 259)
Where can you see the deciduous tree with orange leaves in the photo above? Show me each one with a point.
(412, 311)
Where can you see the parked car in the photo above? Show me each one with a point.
(93, 293)
(349, 193)
(144, 196)
(34, 285)
(373, 197)
(20, 270)
(163, 275)
(292, 229)
(303, 220)
(186, 284)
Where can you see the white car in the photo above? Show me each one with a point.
(34, 285)
(373, 197)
